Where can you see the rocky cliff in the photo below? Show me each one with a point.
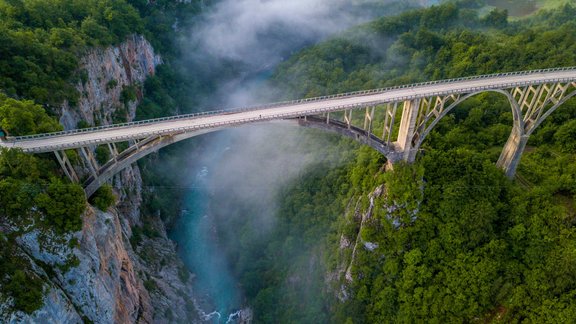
(343, 275)
(107, 77)
(96, 275)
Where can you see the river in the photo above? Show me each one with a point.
(198, 246)
(196, 232)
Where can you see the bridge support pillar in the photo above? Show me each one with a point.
(113, 150)
(90, 161)
(389, 118)
(407, 129)
(368, 118)
(348, 118)
(512, 152)
(66, 166)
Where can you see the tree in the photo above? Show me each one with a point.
(497, 18)
(63, 204)
(26, 290)
(103, 198)
(566, 137)
(23, 117)
(102, 154)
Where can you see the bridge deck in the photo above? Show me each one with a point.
(143, 129)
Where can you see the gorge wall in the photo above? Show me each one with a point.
(96, 274)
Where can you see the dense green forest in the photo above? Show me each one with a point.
(456, 241)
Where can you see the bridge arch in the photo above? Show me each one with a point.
(152, 144)
(516, 114)
(132, 154)
(530, 106)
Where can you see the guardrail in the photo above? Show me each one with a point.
(316, 99)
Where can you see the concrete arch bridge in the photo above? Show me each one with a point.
(395, 121)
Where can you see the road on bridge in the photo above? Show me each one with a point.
(143, 129)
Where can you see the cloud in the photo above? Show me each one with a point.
(235, 40)
(247, 30)
(261, 32)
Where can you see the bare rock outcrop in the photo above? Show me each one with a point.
(107, 77)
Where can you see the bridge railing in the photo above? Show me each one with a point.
(290, 102)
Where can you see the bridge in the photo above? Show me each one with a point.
(395, 121)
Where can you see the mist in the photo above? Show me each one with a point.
(233, 49)
(240, 42)
(259, 33)
(260, 161)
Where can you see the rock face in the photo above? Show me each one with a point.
(339, 280)
(57, 306)
(102, 278)
(103, 286)
(107, 76)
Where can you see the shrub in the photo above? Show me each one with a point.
(103, 198)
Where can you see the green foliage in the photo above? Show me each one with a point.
(18, 165)
(467, 248)
(457, 241)
(102, 154)
(23, 117)
(103, 198)
(167, 93)
(27, 181)
(150, 285)
(111, 84)
(566, 137)
(16, 197)
(136, 237)
(160, 16)
(40, 43)
(26, 292)
(41, 40)
(120, 115)
(17, 280)
(497, 18)
(420, 46)
(71, 262)
(83, 124)
(129, 93)
(63, 204)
